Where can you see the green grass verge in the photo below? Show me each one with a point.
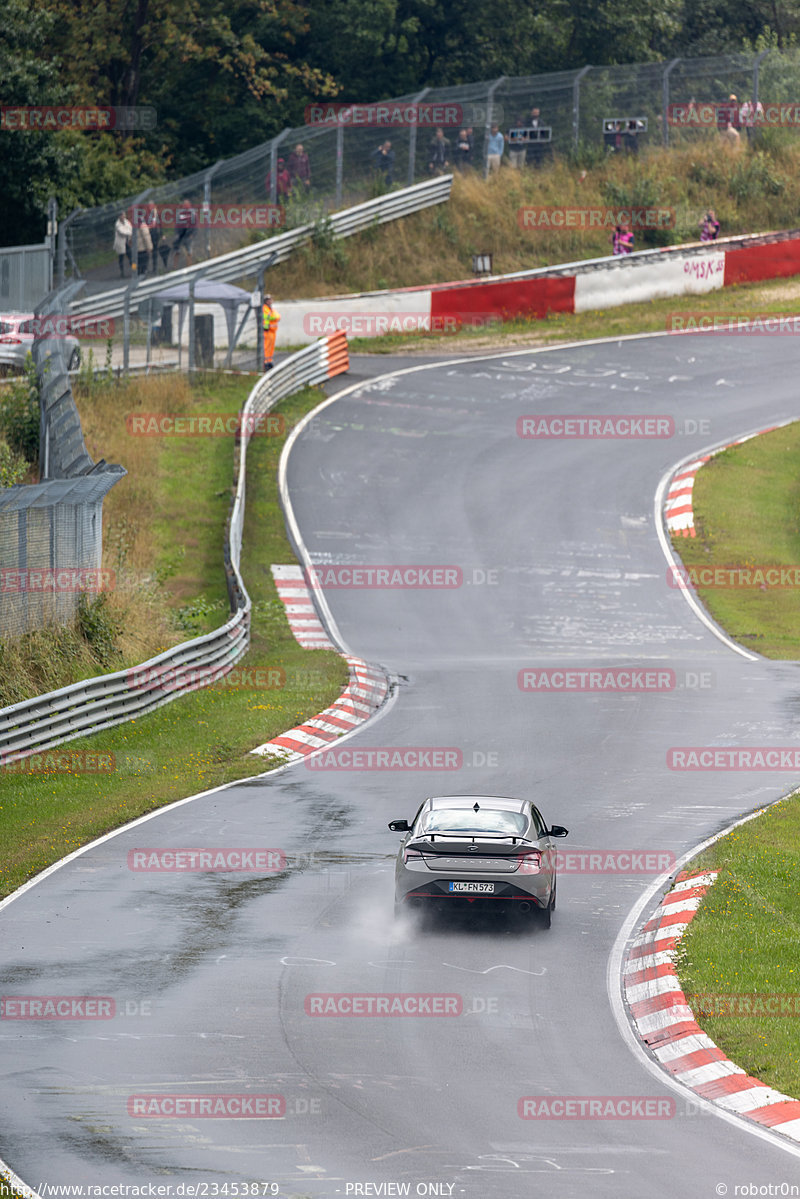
(203, 739)
(743, 940)
(745, 502)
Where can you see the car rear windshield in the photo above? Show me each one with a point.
(465, 820)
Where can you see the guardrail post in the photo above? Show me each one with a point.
(126, 325)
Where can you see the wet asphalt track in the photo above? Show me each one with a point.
(562, 565)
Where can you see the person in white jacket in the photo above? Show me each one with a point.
(123, 231)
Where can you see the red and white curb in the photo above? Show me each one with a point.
(678, 507)
(666, 1023)
(364, 694)
(678, 512)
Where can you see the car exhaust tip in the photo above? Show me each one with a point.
(525, 906)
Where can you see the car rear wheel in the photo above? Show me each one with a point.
(546, 914)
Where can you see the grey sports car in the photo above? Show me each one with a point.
(468, 848)
(16, 340)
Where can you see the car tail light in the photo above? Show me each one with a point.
(412, 855)
(530, 863)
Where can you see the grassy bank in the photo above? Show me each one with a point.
(743, 942)
(751, 190)
(203, 739)
(745, 512)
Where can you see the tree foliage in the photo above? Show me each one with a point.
(224, 75)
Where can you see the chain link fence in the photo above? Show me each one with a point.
(51, 532)
(344, 170)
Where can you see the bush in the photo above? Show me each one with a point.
(19, 414)
(98, 627)
(13, 467)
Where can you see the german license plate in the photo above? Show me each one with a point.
(480, 888)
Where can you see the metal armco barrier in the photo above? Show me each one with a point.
(227, 268)
(39, 724)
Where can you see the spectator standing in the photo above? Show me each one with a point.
(382, 159)
(494, 149)
(709, 226)
(270, 320)
(300, 168)
(123, 231)
(517, 151)
(185, 229)
(732, 136)
(283, 181)
(144, 246)
(622, 240)
(462, 155)
(153, 221)
(438, 153)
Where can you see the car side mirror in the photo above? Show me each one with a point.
(558, 830)
(399, 826)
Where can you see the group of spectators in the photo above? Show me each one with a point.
(292, 177)
(152, 240)
(622, 239)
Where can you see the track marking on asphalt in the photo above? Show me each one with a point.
(296, 961)
(502, 966)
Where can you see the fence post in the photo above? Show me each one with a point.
(412, 140)
(339, 163)
(191, 324)
(487, 128)
(756, 66)
(273, 165)
(665, 99)
(52, 235)
(62, 245)
(209, 175)
(576, 104)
